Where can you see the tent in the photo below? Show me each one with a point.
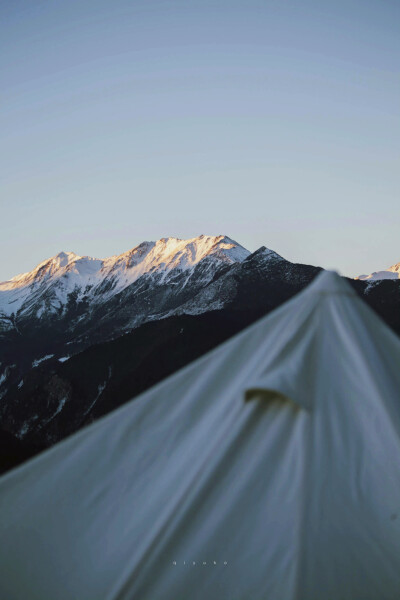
(267, 469)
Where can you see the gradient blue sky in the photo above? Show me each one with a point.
(274, 122)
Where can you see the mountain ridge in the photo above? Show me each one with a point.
(46, 287)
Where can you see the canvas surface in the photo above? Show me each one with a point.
(274, 459)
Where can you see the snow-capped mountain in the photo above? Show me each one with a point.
(69, 302)
(48, 288)
(392, 272)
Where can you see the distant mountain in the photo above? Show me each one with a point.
(69, 302)
(392, 272)
(47, 290)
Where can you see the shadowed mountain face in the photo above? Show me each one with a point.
(45, 398)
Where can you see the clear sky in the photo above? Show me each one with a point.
(275, 122)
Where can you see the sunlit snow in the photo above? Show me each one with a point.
(37, 362)
(47, 287)
(392, 272)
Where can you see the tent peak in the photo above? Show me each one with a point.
(330, 282)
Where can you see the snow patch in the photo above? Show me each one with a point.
(100, 390)
(37, 362)
(26, 427)
(60, 407)
(24, 430)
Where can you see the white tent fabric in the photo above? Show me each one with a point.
(272, 463)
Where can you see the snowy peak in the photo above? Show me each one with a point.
(174, 253)
(265, 254)
(395, 269)
(57, 277)
(166, 254)
(171, 255)
(62, 259)
(186, 254)
(59, 261)
(392, 272)
(47, 267)
(231, 250)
